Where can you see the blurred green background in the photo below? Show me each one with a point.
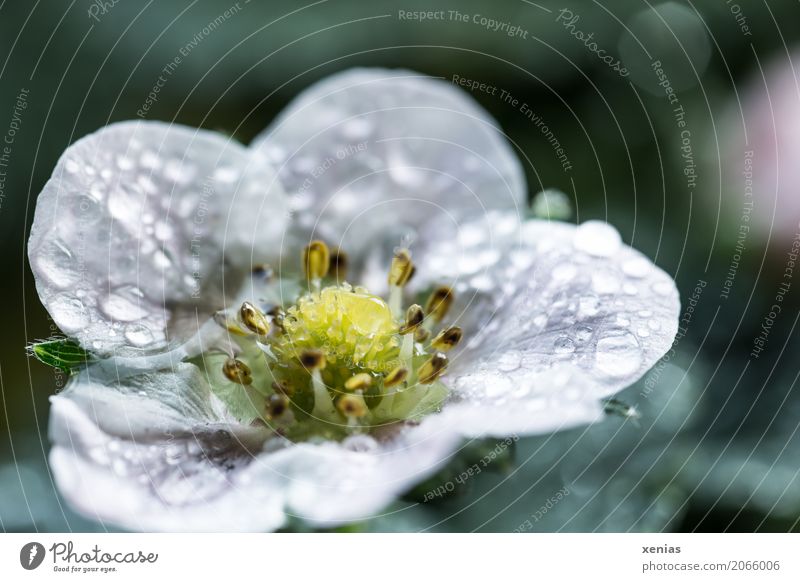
(717, 447)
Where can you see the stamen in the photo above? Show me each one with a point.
(421, 334)
(316, 261)
(352, 406)
(358, 382)
(396, 376)
(314, 360)
(222, 319)
(237, 371)
(399, 273)
(253, 319)
(402, 268)
(263, 272)
(414, 318)
(277, 405)
(447, 339)
(339, 264)
(430, 371)
(277, 314)
(439, 304)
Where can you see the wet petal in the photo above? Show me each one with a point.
(375, 153)
(155, 452)
(134, 223)
(551, 294)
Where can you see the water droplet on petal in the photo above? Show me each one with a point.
(138, 335)
(356, 128)
(663, 287)
(68, 312)
(618, 354)
(597, 239)
(124, 304)
(636, 268)
(57, 264)
(564, 345)
(509, 361)
(583, 333)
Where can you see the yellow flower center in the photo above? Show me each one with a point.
(354, 329)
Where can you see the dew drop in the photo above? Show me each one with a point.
(57, 265)
(357, 128)
(124, 304)
(583, 333)
(636, 268)
(564, 345)
(663, 288)
(138, 335)
(68, 312)
(509, 361)
(618, 354)
(126, 205)
(597, 239)
(226, 174)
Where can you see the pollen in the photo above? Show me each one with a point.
(339, 359)
(351, 328)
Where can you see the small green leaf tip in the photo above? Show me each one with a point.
(62, 353)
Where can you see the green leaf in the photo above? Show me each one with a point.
(63, 353)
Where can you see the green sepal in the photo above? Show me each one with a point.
(62, 353)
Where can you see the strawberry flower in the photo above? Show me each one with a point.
(309, 326)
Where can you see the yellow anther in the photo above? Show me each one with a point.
(316, 260)
(263, 271)
(414, 318)
(396, 376)
(439, 303)
(358, 382)
(352, 405)
(228, 323)
(313, 359)
(447, 339)
(430, 371)
(237, 371)
(277, 405)
(402, 268)
(253, 319)
(421, 334)
(339, 264)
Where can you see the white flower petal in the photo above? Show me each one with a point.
(133, 222)
(497, 401)
(371, 153)
(154, 453)
(552, 294)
